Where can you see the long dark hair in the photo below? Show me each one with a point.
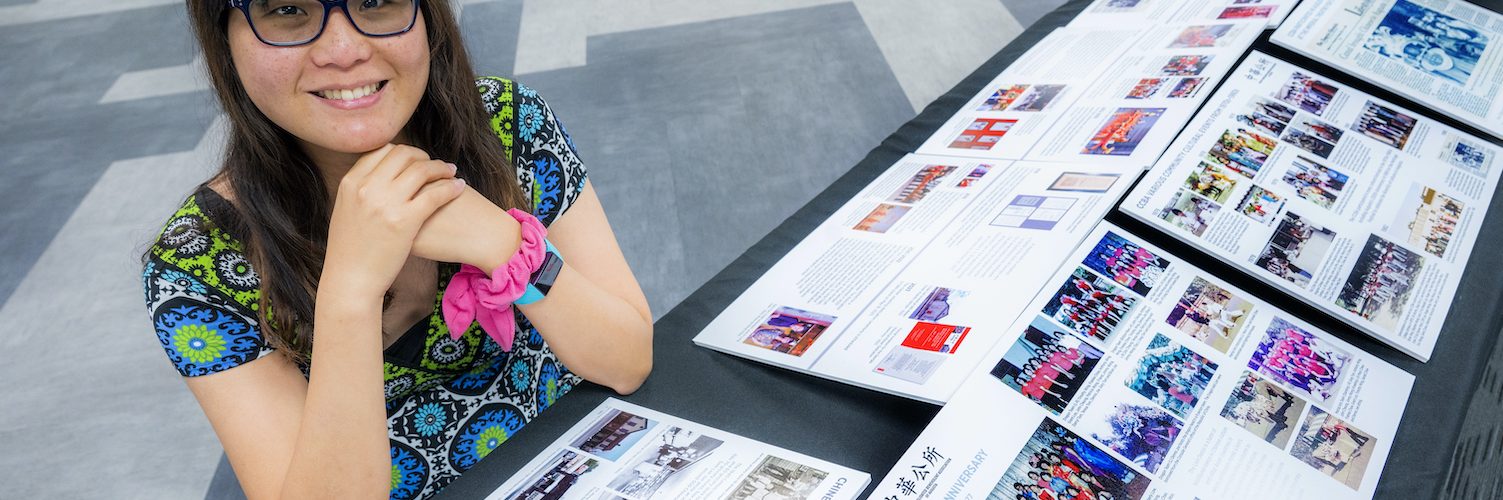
(283, 203)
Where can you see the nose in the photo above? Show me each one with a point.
(340, 45)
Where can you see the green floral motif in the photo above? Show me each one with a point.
(201, 266)
(489, 439)
(199, 344)
(396, 477)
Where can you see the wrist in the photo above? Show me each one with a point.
(496, 245)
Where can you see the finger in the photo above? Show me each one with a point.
(367, 162)
(420, 174)
(436, 194)
(400, 157)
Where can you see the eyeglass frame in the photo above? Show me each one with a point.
(244, 7)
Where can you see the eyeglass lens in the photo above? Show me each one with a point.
(295, 21)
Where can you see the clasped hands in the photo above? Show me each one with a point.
(397, 202)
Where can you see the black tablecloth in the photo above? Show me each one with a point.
(868, 431)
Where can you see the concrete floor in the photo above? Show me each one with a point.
(676, 106)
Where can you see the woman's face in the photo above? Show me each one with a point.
(303, 88)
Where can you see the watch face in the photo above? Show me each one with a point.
(547, 273)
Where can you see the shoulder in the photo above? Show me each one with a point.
(548, 167)
(201, 291)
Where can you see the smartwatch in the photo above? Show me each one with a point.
(543, 278)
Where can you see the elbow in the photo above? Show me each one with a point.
(636, 372)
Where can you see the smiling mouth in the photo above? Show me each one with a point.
(351, 94)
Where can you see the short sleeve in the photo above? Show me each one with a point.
(202, 295)
(549, 170)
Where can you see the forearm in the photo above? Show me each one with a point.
(342, 448)
(599, 336)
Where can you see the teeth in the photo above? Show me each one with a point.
(348, 94)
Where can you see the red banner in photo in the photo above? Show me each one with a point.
(936, 337)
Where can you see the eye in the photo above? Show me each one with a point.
(372, 4)
(286, 10)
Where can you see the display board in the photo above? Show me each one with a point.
(624, 451)
(1443, 54)
(1136, 375)
(1355, 205)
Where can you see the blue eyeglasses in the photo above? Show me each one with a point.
(286, 23)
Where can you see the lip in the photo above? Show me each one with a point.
(363, 102)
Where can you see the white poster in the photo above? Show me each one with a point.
(1141, 12)
(1441, 53)
(1362, 208)
(623, 451)
(1134, 375)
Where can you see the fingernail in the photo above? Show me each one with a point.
(453, 169)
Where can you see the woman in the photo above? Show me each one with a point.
(307, 291)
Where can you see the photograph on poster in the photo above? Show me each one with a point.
(1171, 375)
(1242, 151)
(1186, 65)
(1334, 447)
(1047, 364)
(1308, 142)
(973, 177)
(1127, 263)
(1210, 314)
(1429, 41)
(922, 182)
(789, 331)
(1264, 409)
(881, 218)
(615, 433)
(937, 303)
(1299, 360)
(1027, 211)
(1314, 182)
(1381, 281)
(779, 479)
(1247, 12)
(1090, 305)
(1307, 93)
(1055, 463)
(1321, 130)
(1186, 88)
(1195, 37)
(1121, 134)
(662, 462)
(982, 133)
(1261, 205)
(1262, 122)
(1141, 433)
(1146, 88)
(1002, 98)
(1469, 155)
(1189, 211)
(1427, 219)
(557, 477)
(1212, 182)
(1084, 182)
(1385, 125)
(1036, 98)
(1296, 249)
(1273, 109)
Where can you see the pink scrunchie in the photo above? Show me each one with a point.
(472, 295)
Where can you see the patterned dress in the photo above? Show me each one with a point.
(449, 402)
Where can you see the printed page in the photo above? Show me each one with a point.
(624, 451)
(1143, 12)
(1362, 208)
(1136, 106)
(1135, 375)
(1443, 54)
(904, 288)
(1013, 111)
